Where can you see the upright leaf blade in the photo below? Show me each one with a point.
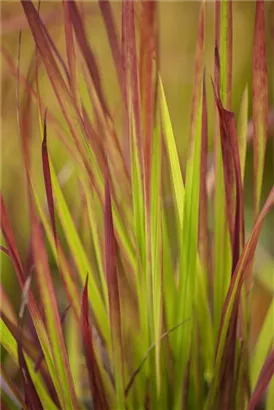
(260, 101)
(113, 295)
(96, 384)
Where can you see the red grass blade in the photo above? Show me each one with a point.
(47, 179)
(113, 39)
(260, 101)
(86, 51)
(203, 206)
(232, 179)
(71, 56)
(32, 400)
(265, 377)
(95, 381)
(131, 68)
(148, 80)
(59, 86)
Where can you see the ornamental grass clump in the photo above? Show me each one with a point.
(146, 311)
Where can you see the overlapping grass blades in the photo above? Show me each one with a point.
(156, 327)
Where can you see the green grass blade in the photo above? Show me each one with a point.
(176, 175)
(156, 248)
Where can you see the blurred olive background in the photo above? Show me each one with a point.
(177, 32)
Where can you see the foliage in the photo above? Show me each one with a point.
(159, 311)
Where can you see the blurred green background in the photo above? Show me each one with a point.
(177, 33)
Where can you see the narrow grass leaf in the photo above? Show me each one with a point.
(232, 179)
(259, 100)
(176, 175)
(86, 51)
(242, 130)
(31, 397)
(148, 66)
(71, 55)
(66, 391)
(47, 179)
(222, 261)
(113, 294)
(189, 234)
(99, 398)
(133, 121)
(60, 257)
(204, 250)
(112, 32)
(156, 247)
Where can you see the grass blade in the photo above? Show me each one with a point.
(176, 175)
(242, 130)
(189, 234)
(31, 397)
(66, 392)
(96, 385)
(223, 75)
(113, 295)
(260, 101)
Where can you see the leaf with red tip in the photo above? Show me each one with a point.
(232, 179)
(264, 379)
(259, 101)
(47, 179)
(95, 380)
